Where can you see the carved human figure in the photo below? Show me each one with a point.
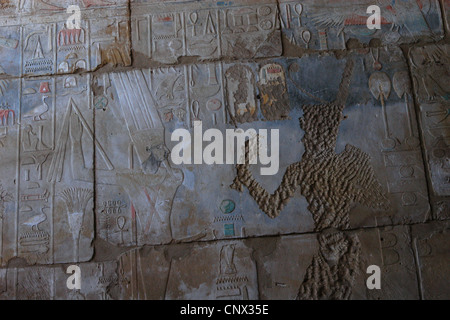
(152, 190)
(153, 186)
(331, 273)
(331, 183)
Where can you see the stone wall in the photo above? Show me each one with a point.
(86, 117)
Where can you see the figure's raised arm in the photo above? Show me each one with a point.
(270, 204)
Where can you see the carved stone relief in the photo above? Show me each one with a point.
(333, 265)
(164, 32)
(49, 283)
(431, 76)
(51, 158)
(318, 25)
(226, 271)
(430, 243)
(86, 122)
(46, 45)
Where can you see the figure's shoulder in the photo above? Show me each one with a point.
(351, 150)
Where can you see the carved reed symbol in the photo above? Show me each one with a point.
(76, 200)
(70, 37)
(5, 115)
(4, 83)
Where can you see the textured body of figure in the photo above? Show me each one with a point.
(331, 183)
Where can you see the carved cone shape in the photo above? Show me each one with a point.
(121, 222)
(44, 88)
(299, 9)
(306, 35)
(194, 17)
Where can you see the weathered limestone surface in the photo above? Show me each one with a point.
(86, 178)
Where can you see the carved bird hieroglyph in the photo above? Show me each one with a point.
(401, 14)
(37, 112)
(36, 220)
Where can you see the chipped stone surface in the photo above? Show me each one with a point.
(321, 25)
(86, 177)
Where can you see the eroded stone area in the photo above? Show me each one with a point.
(86, 176)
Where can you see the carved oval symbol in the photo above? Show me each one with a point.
(227, 206)
(380, 85)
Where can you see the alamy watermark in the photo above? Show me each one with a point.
(74, 21)
(234, 146)
(74, 281)
(374, 281)
(374, 21)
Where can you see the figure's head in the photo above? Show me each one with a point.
(321, 125)
(158, 153)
